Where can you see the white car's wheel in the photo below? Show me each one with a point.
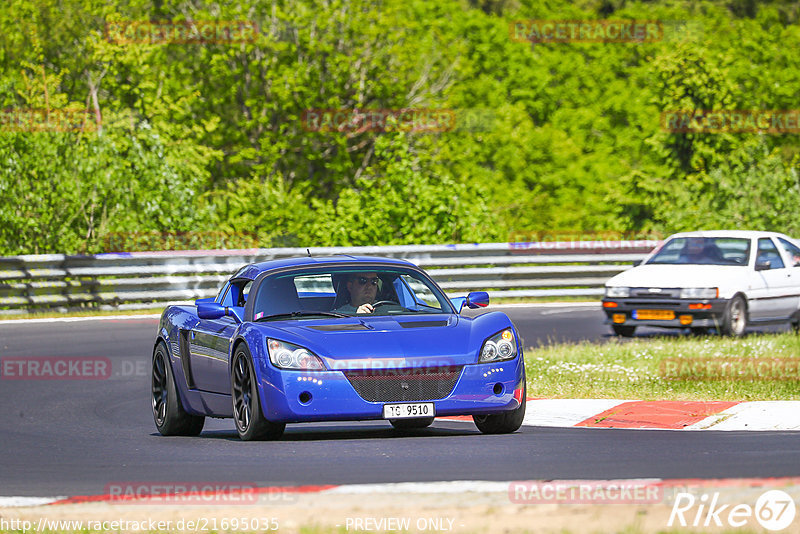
(623, 330)
(734, 320)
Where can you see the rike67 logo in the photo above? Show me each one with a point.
(774, 510)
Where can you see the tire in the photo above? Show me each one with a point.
(247, 413)
(794, 323)
(734, 320)
(502, 423)
(623, 330)
(412, 424)
(168, 414)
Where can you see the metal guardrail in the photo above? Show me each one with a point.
(138, 280)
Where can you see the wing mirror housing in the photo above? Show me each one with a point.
(213, 310)
(476, 299)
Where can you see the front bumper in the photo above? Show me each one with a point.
(628, 311)
(298, 396)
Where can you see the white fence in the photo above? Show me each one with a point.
(138, 280)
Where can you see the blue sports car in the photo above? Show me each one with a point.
(334, 338)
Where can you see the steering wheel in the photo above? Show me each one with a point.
(384, 302)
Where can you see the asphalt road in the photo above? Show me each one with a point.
(75, 437)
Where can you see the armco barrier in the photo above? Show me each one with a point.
(136, 280)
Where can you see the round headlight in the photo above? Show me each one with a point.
(284, 358)
(303, 359)
(489, 351)
(505, 349)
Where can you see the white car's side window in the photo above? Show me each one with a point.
(768, 252)
(792, 251)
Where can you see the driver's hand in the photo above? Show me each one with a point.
(365, 308)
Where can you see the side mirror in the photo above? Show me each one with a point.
(209, 310)
(212, 310)
(477, 299)
(763, 265)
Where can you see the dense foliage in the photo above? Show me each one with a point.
(209, 144)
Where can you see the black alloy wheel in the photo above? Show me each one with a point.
(247, 413)
(168, 413)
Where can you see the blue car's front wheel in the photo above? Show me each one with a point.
(247, 413)
(502, 423)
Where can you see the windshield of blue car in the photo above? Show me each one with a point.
(316, 293)
(703, 251)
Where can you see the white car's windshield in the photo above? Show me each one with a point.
(703, 251)
(344, 292)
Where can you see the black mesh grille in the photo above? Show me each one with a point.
(664, 293)
(404, 385)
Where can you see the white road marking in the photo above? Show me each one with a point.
(76, 319)
(15, 502)
(547, 305)
(754, 415)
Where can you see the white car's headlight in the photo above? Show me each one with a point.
(699, 292)
(499, 347)
(618, 292)
(289, 356)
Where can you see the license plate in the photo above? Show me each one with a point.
(654, 315)
(401, 411)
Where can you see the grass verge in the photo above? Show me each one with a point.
(755, 367)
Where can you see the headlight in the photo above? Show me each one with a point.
(289, 356)
(618, 292)
(699, 293)
(501, 346)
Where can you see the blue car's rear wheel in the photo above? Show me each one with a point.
(170, 417)
(247, 413)
(502, 423)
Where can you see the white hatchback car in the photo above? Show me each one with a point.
(699, 280)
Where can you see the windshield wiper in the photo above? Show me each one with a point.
(301, 314)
